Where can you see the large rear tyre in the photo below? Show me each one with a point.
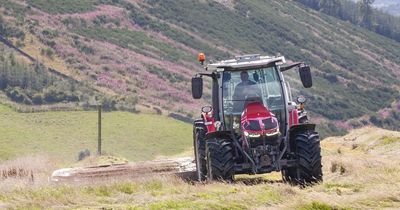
(220, 160)
(199, 145)
(309, 166)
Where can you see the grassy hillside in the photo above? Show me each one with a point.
(360, 172)
(148, 48)
(64, 134)
(339, 56)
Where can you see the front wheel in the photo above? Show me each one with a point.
(309, 166)
(220, 160)
(199, 145)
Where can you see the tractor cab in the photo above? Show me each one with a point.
(245, 80)
(241, 88)
(252, 112)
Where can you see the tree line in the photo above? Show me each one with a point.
(360, 13)
(32, 84)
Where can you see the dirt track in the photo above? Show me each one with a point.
(182, 167)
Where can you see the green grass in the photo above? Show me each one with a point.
(19, 10)
(386, 140)
(177, 35)
(315, 205)
(335, 187)
(63, 6)
(134, 40)
(65, 134)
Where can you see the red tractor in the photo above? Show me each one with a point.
(253, 125)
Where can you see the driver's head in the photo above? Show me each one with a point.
(244, 76)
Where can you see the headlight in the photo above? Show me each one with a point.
(254, 135)
(273, 133)
(251, 135)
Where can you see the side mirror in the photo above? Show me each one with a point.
(197, 87)
(305, 76)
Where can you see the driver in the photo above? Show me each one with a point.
(245, 89)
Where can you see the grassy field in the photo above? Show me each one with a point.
(360, 172)
(64, 134)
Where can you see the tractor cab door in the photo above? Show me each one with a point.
(242, 87)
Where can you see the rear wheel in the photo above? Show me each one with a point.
(220, 160)
(309, 166)
(199, 145)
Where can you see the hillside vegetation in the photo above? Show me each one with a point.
(146, 50)
(362, 13)
(360, 172)
(34, 85)
(63, 135)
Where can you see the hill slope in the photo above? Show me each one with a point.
(360, 172)
(147, 48)
(64, 134)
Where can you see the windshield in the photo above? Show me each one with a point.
(241, 87)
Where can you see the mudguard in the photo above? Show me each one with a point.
(198, 123)
(296, 129)
(305, 126)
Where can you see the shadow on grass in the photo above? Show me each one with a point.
(251, 181)
(190, 177)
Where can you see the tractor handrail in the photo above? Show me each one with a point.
(238, 64)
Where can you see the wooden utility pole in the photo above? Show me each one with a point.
(99, 131)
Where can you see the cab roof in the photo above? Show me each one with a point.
(247, 61)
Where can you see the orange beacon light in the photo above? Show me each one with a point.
(201, 58)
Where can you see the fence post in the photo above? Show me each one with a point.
(99, 131)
